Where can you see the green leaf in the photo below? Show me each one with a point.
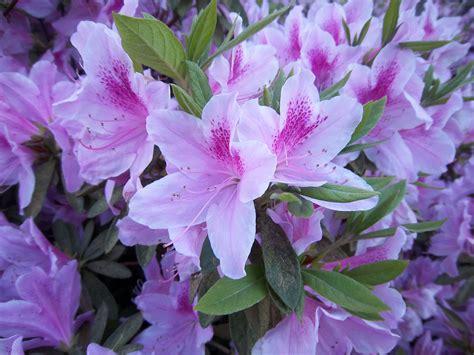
(373, 111)
(125, 332)
(343, 291)
(186, 102)
(389, 199)
(43, 176)
(357, 147)
(100, 322)
(377, 273)
(382, 233)
(248, 32)
(111, 237)
(347, 31)
(455, 320)
(199, 83)
(266, 99)
(101, 205)
(282, 267)
(152, 43)
(66, 237)
(455, 82)
(286, 197)
(422, 46)
(99, 293)
(277, 86)
(378, 182)
(422, 227)
(426, 186)
(363, 33)
(207, 260)
(144, 254)
(110, 269)
(333, 90)
(337, 193)
(208, 280)
(202, 30)
(390, 21)
(303, 209)
(465, 272)
(228, 295)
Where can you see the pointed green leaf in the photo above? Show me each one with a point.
(373, 111)
(282, 267)
(389, 199)
(199, 83)
(100, 322)
(333, 90)
(286, 197)
(228, 295)
(125, 332)
(144, 254)
(390, 21)
(344, 291)
(422, 227)
(202, 30)
(110, 268)
(378, 182)
(358, 147)
(186, 102)
(43, 176)
(377, 273)
(382, 233)
(337, 193)
(422, 46)
(152, 43)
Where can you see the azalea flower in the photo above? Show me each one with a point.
(217, 180)
(306, 136)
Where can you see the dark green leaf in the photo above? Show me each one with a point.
(110, 269)
(199, 83)
(65, 236)
(99, 293)
(208, 280)
(455, 320)
(186, 102)
(373, 111)
(124, 332)
(378, 182)
(357, 147)
(111, 237)
(377, 273)
(455, 82)
(202, 30)
(347, 31)
(152, 43)
(43, 177)
(248, 32)
(228, 296)
(333, 90)
(422, 46)
(207, 260)
(100, 322)
(389, 199)
(343, 291)
(87, 236)
(101, 205)
(144, 254)
(337, 193)
(422, 227)
(282, 268)
(390, 21)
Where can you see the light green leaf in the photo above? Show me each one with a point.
(337, 193)
(303, 209)
(333, 90)
(422, 227)
(186, 102)
(228, 296)
(202, 30)
(199, 83)
(248, 32)
(390, 21)
(389, 199)
(286, 197)
(378, 182)
(422, 46)
(152, 43)
(373, 111)
(377, 273)
(344, 291)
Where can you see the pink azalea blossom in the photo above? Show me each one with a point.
(299, 137)
(217, 180)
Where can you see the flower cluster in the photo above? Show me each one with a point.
(260, 177)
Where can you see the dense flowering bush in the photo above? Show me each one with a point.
(224, 176)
